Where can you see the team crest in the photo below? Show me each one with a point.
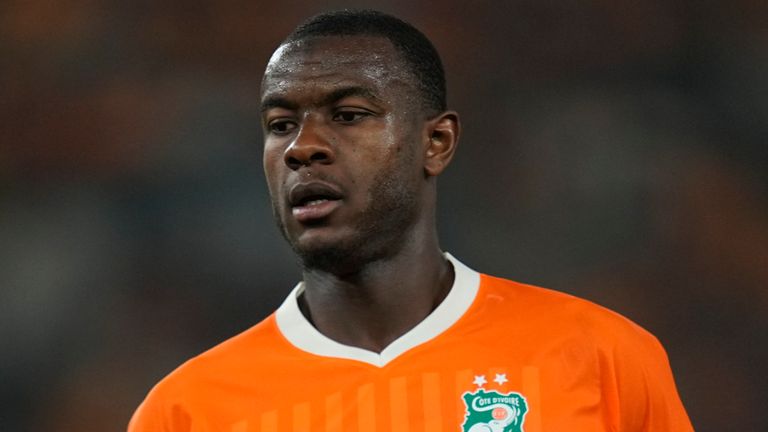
(491, 411)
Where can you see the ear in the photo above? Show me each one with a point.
(440, 141)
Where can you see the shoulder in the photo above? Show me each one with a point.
(578, 338)
(227, 374)
(187, 386)
(557, 312)
(622, 352)
(229, 358)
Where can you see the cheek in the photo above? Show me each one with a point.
(273, 163)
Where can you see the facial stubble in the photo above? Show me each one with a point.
(379, 231)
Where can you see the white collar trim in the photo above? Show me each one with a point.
(300, 332)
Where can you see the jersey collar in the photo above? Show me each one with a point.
(300, 332)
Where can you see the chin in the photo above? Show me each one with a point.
(336, 256)
(332, 259)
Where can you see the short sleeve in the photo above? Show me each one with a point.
(147, 417)
(638, 385)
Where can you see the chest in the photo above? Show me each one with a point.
(483, 385)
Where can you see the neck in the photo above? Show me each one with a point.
(371, 308)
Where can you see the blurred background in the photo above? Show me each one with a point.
(615, 150)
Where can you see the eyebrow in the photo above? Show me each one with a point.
(344, 92)
(277, 102)
(333, 97)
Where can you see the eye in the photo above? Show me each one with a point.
(281, 126)
(349, 115)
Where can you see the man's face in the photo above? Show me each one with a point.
(343, 132)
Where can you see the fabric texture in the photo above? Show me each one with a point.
(496, 355)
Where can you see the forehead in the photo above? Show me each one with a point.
(331, 61)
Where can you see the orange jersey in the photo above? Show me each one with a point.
(495, 355)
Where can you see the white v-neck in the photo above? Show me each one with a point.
(300, 332)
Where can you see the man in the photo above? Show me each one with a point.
(386, 332)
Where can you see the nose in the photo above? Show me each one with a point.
(310, 146)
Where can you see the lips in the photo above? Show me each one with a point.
(313, 201)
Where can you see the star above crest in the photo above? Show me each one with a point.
(479, 380)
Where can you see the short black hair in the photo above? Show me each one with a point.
(418, 53)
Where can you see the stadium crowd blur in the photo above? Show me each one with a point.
(615, 150)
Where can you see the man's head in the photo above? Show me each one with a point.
(417, 54)
(353, 139)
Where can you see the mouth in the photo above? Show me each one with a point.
(311, 202)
